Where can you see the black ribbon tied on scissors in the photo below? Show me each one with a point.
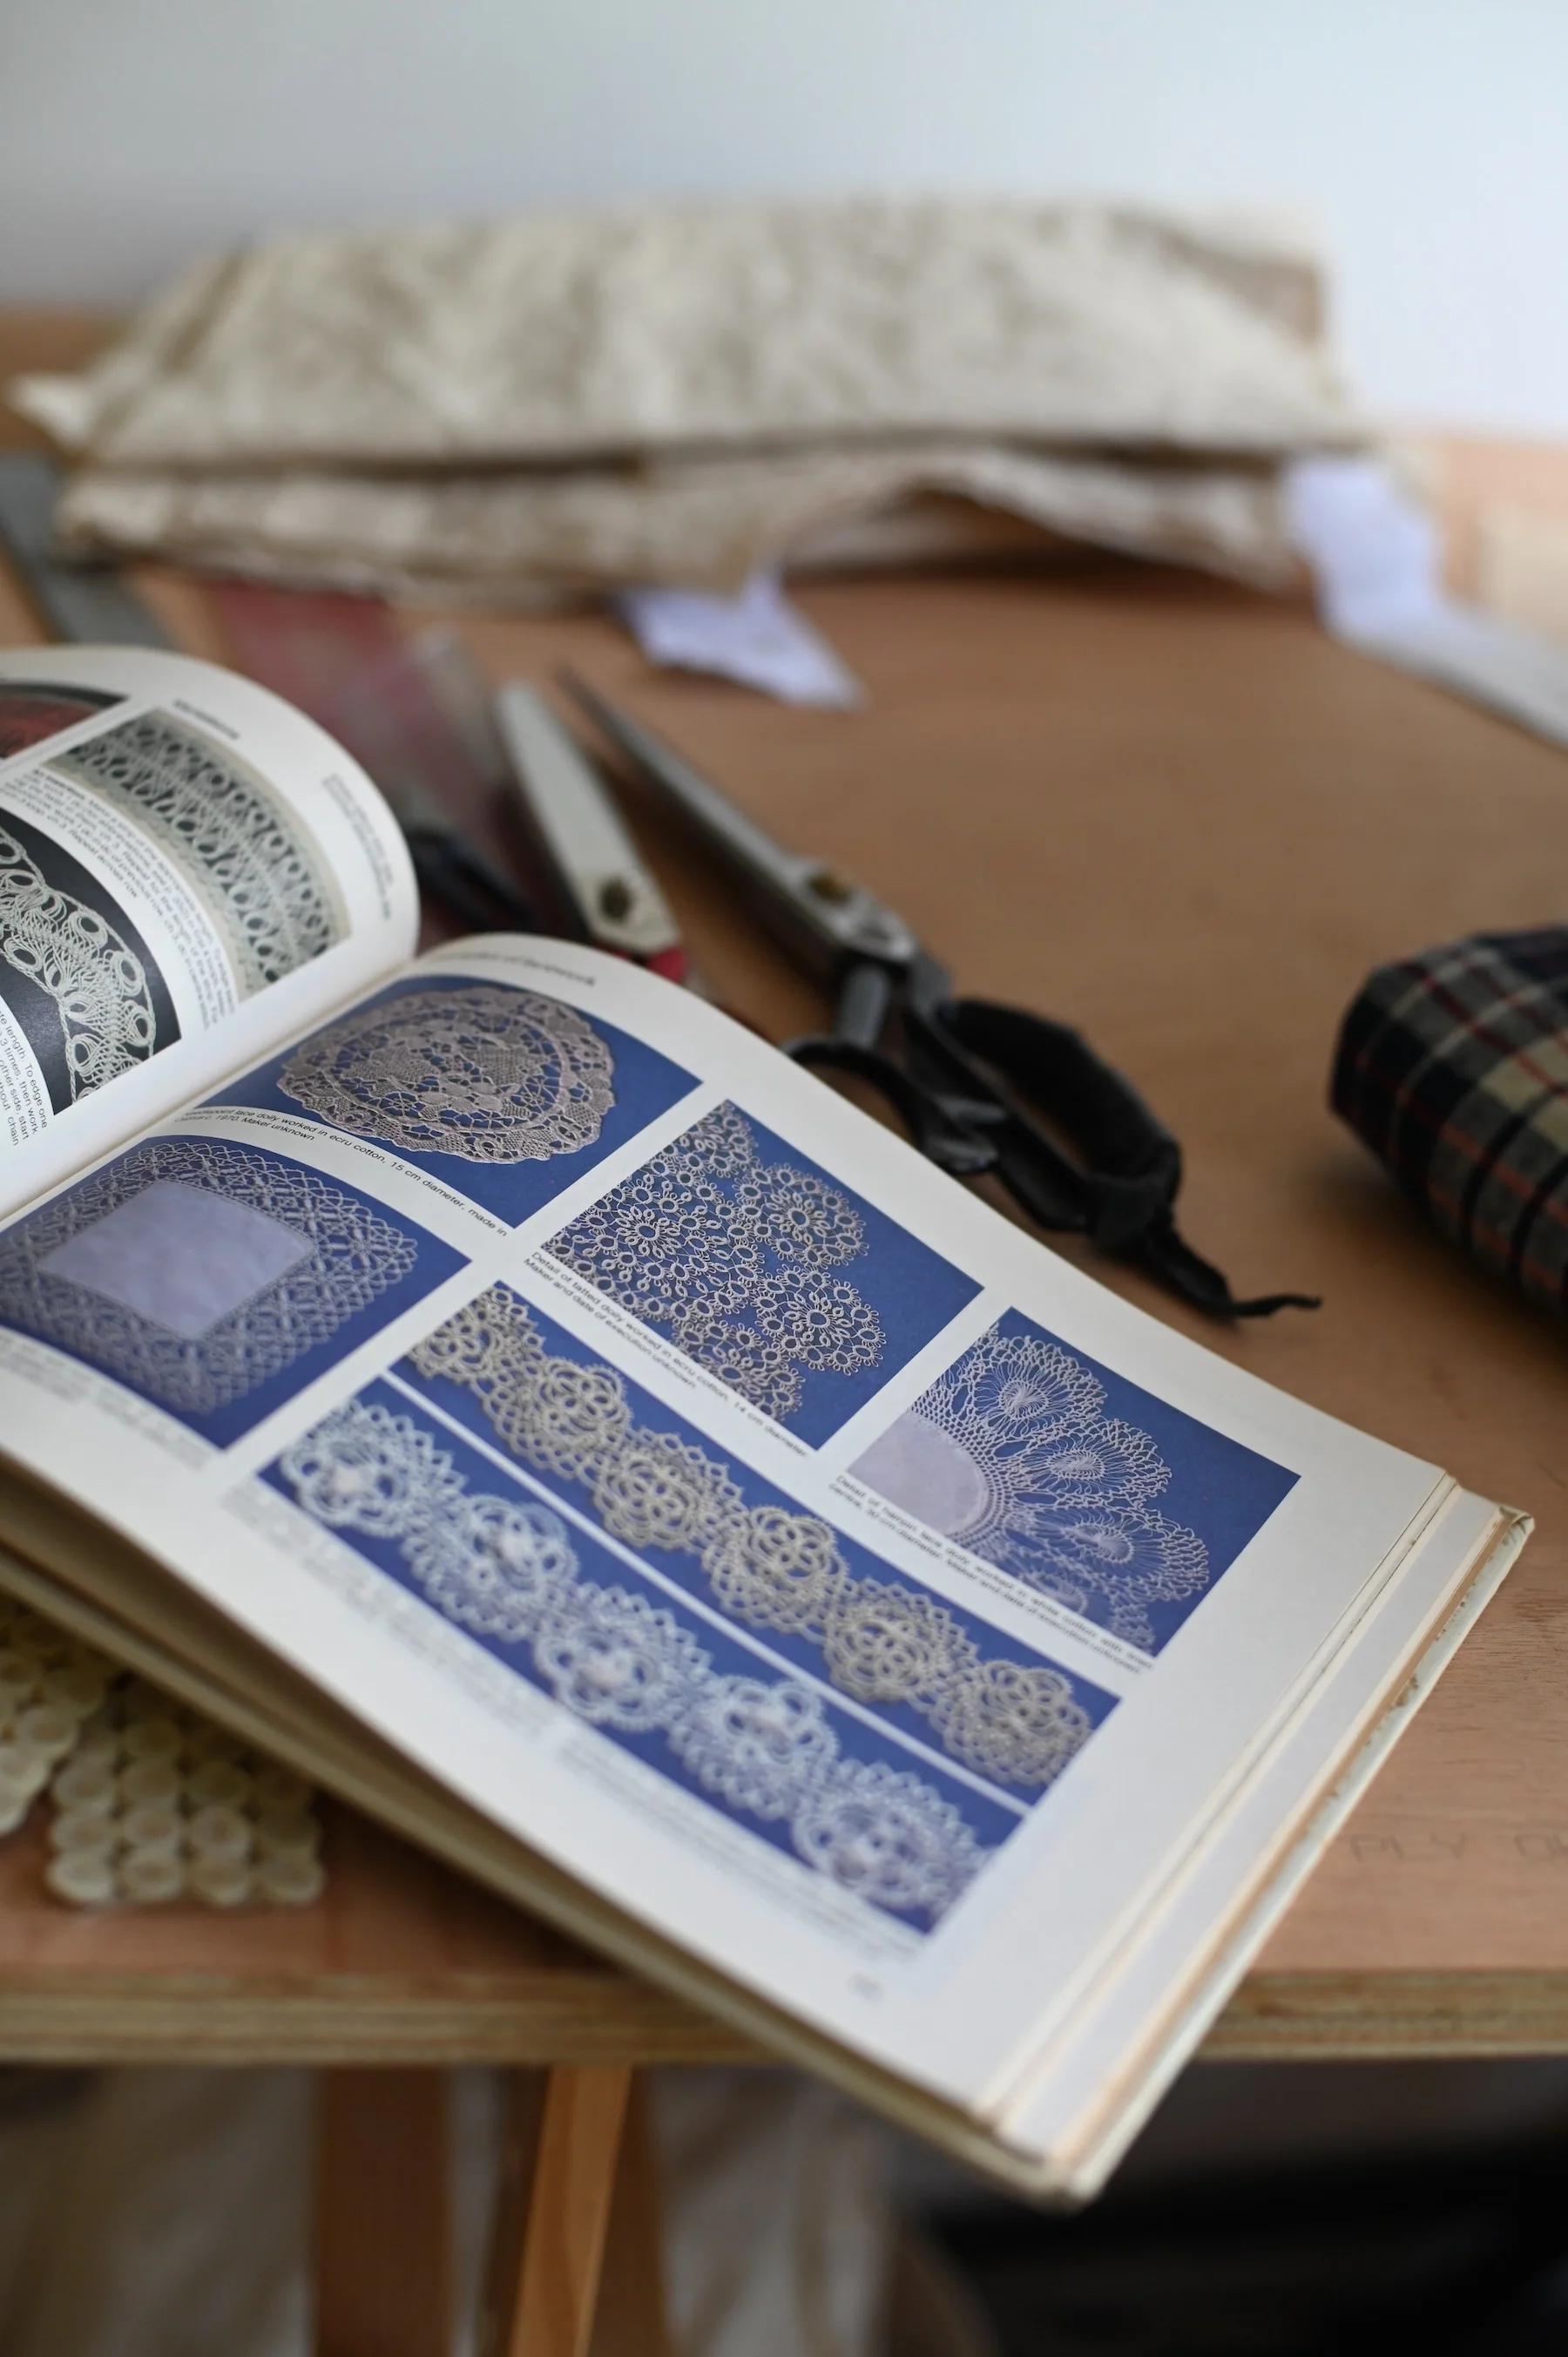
(971, 1077)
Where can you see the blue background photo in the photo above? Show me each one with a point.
(914, 1291)
(990, 1822)
(646, 1085)
(461, 1403)
(433, 1263)
(1219, 1487)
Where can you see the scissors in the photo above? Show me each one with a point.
(975, 1083)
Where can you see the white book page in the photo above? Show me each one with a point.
(721, 1498)
(1083, 2103)
(190, 871)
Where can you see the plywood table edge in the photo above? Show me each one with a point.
(351, 2019)
(1391, 2016)
(570, 2019)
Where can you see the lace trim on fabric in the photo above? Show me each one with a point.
(246, 856)
(507, 1571)
(354, 1257)
(98, 985)
(1062, 1495)
(769, 1566)
(732, 1257)
(491, 1075)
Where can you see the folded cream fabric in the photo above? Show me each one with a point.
(560, 405)
(699, 524)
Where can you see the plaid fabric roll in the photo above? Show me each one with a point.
(1453, 1066)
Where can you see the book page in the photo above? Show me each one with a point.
(189, 870)
(664, 1456)
(1083, 2104)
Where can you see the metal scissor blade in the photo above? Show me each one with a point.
(827, 921)
(82, 604)
(613, 899)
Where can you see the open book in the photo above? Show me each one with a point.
(516, 1396)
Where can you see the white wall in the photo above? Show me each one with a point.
(1425, 137)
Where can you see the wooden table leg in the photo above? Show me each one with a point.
(574, 2206)
(632, 2316)
(384, 2225)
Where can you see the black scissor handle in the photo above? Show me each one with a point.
(935, 1126)
(1119, 1184)
(1129, 1167)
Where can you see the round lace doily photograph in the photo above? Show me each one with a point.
(504, 1092)
(1083, 1487)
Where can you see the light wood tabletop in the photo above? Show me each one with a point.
(1175, 813)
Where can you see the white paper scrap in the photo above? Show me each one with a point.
(758, 639)
(1375, 559)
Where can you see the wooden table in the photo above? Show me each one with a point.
(1176, 814)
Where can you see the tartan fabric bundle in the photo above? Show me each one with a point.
(1453, 1066)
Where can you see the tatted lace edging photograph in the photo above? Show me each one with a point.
(689, 1697)
(774, 1276)
(708, 1524)
(215, 1280)
(249, 859)
(75, 974)
(1079, 1484)
(505, 1093)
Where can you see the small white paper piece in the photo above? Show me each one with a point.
(758, 639)
(1375, 559)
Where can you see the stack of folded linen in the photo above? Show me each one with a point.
(547, 408)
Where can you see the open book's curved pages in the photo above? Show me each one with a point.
(598, 1448)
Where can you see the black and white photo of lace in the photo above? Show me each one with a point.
(82, 964)
(1010, 1454)
(484, 1072)
(249, 858)
(195, 1270)
(737, 1259)
(882, 1640)
(511, 1573)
